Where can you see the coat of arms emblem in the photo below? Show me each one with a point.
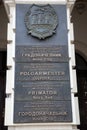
(41, 21)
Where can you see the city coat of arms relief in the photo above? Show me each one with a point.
(41, 21)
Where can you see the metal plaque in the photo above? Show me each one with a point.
(42, 112)
(42, 53)
(42, 91)
(41, 71)
(41, 21)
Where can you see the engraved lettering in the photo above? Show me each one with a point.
(60, 73)
(41, 55)
(42, 113)
(43, 92)
(42, 97)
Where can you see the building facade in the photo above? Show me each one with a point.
(77, 31)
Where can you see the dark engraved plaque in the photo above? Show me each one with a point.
(42, 71)
(41, 91)
(42, 53)
(41, 21)
(50, 111)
